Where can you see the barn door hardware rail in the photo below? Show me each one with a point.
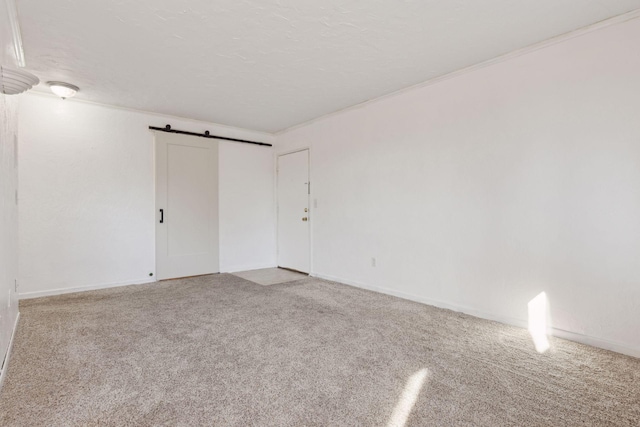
(206, 134)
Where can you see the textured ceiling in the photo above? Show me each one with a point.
(268, 65)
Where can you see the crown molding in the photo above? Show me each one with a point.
(14, 22)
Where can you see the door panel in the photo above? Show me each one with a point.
(293, 211)
(187, 194)
(187, 210)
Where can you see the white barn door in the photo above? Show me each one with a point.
(293, 211)
(186, 206)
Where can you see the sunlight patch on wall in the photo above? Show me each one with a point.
(408, 399)
(539, 322)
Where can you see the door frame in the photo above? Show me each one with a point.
(311, 212)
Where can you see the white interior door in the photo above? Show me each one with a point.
(293, 211)
(186, 206)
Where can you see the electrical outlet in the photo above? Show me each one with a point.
(373, 262)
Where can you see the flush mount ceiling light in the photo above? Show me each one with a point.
(14, 81)
(63, 90)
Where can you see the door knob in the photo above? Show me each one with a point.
(305, 218)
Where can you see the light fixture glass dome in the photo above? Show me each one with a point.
(63, 90)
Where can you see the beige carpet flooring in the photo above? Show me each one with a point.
(221, 350)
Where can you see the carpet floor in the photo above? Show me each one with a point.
(221, 350)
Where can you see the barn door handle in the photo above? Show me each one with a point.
(161, 216)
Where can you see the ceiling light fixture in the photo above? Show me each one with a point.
(14, 81)
(63, 90)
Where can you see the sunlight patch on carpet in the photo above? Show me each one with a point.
(408, 399)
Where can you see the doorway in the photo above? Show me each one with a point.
(293, 211)
(186, 206)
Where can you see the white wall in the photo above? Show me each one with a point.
(87, 196)
(247, 207)
(481, 191)
(8, 207)
(8, 220)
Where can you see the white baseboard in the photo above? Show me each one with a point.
(60, 291)
(521, 323)
(7, 357)
(246, 267)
